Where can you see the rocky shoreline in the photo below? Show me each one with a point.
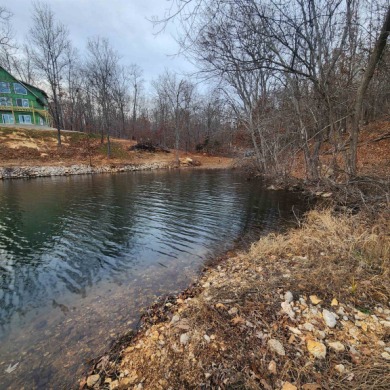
(77, 169)
(297, 311)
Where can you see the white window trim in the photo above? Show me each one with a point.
(19, 93)
(9, 86)
(10, 116)
(23, 101)
(9, 101)
(24, 116)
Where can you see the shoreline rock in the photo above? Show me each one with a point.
(28, 172)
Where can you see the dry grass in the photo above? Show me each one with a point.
(345, 255)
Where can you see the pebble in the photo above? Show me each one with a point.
(233, 311)
(288, 297)
(315, 300)
(295, 330)
(276, 346)
(184, 338)
(272, 367)
(316, 348)
(329, 318)
(386, 355)
(337, 346)
(289, 386)
(207, 338)
(92, 380)
(114, 385)
(340, 368)
(175, 318)
(288, 310)
(308, 326)
(321, 334)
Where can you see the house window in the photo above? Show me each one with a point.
(5, 101)
(8, 118)
(25, 119)
(4, 87)
(22, 102)
(20, 89)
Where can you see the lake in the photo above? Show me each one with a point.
(80, 257)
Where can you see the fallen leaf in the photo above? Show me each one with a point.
(237, 320)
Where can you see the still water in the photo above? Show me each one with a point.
(80, 257)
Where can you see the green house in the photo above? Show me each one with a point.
(22, 103)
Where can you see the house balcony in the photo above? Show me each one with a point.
(31, 109)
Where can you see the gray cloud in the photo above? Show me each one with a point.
(123, 22)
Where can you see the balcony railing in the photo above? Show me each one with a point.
(31, 108)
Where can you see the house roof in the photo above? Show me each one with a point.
(27, 85)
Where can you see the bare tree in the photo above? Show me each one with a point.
(135, 73)
(101, 71)
(177, 95)
(365, 81)
(50, 42)
(7, 44)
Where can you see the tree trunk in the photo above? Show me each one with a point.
(356, 114)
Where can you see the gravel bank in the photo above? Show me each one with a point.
(79, 169)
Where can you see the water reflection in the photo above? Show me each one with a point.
(63, 239)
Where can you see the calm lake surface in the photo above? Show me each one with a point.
(80, 257)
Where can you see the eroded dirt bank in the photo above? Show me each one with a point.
(27, 153)
(308, 309)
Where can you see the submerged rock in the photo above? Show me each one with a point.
(92, 380)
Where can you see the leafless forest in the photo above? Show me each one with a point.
(275, 78)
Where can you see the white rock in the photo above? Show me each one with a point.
(329, 318)
(340, 368)
(386, 355)
(175, 318)
(308, 326)
(337, 346)
(320, 334)
(184, 338)
(233, 311)
(295, 330)
(207, 338)
(276, 346)
(272, 367)
(288, 310)
(288, 297)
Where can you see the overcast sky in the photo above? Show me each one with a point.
(123, 22)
